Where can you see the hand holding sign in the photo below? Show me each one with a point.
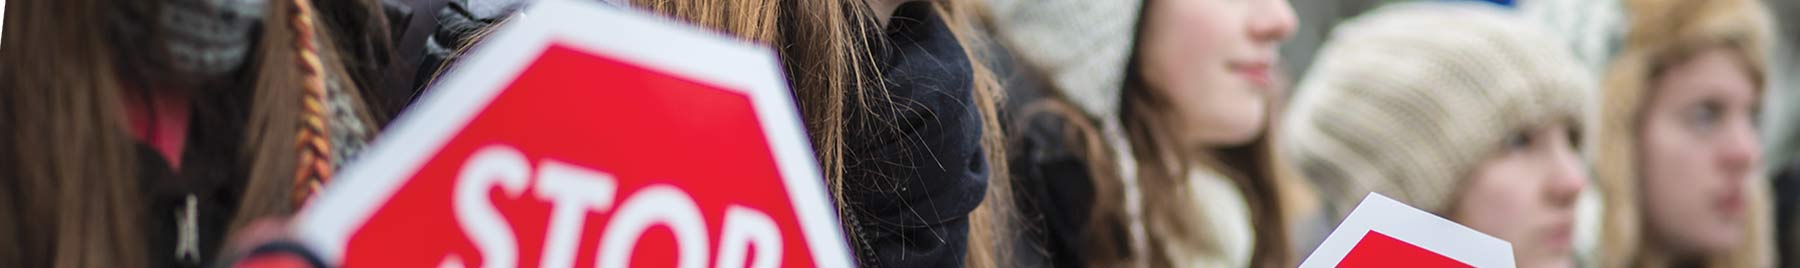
(1382, 232)
(583, 136)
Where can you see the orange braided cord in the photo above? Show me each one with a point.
(313, 142)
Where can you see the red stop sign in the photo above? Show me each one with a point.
(1380, 250)
(639, 144)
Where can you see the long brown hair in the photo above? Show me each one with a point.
(1268, 184)
(993, 224)
(824, 46)
(71, 193)
(1163, 166)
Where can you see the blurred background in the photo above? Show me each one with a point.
(1594, 29)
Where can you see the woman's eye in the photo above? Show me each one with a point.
(1574, 139)
(1518, 141)
(1705, 117)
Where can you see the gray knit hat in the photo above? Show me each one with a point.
(1083, 45)
(1407, 99)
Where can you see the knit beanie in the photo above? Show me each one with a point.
(1406, 100)
(1082, 45)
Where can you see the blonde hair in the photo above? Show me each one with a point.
(1664, 33)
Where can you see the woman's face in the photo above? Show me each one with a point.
(1526, 194)
(1698, 145)
(1213, 60)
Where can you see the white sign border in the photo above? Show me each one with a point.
(631, 36)
(1379, 213)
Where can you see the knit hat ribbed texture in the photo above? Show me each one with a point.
(1407, 99)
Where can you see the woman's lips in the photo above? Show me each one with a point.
(1257, 72)
(1560, 237)
(1730, 202)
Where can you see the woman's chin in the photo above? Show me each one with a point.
(1231, 134)
(1723, 239)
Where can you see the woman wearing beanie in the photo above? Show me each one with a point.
(1139, 131)
(150, 133)
(1457, 108)
(1679, 153)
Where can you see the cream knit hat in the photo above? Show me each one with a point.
(1407, 99)
(1083, 45)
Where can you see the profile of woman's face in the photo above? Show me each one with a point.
(1697, 147)
(1213, 61)
(1526, 193)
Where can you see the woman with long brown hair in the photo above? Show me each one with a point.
(901, 114)
(1147, 144)
(143, 133)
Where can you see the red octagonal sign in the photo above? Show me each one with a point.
(588, 136)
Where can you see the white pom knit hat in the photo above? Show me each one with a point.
(1407, 99)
